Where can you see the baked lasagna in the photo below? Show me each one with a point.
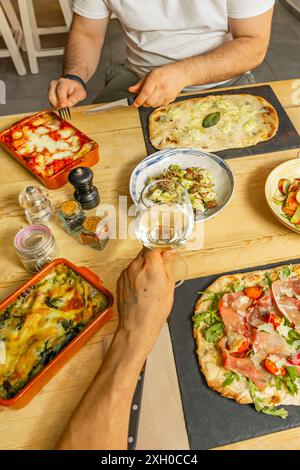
(44, 319)
(47, 144)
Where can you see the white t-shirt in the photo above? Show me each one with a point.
(158, 32)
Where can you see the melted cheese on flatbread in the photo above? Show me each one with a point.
(244, 121)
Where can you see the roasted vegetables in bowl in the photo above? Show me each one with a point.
(283, 193)
(43, 324)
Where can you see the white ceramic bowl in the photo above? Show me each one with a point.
(289, 170)
(158, 162)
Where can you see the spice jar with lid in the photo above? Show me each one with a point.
(71, 216)
(35, 246)
(94, 233)
(36, 204)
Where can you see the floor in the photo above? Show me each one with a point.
(29, 93)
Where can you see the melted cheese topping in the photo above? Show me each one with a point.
(245, 120)
(48, 145)
(41, 322)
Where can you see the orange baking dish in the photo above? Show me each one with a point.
(38, 381)
(55, 172)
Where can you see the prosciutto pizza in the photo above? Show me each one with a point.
(214, 123)
(247, 330)
(47, 144)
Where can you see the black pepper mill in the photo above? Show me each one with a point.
(85, 192)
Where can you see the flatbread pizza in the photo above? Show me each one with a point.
(214, 123)
(247, 330)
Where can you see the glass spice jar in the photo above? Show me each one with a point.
(71, 216)
(36, 204)
(35, 246)
(94, 233)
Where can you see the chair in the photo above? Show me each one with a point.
(7, 31)
(32, 31)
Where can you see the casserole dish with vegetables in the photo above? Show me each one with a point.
(44, 323)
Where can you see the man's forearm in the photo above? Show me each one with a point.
(81, 56)
(101, 419)
(227, 61)
(84, 46)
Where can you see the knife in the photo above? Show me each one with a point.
(114, 104)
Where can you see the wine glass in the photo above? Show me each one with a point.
(165, 220)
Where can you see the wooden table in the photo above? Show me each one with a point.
(250, 236)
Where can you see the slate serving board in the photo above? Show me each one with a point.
(286, 138)
(212, 420)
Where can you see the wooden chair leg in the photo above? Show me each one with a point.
(11, 44)
(34, 26)
(65, 6)
(29, 41)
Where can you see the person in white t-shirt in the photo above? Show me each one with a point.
(172, 45)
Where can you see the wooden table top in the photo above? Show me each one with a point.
(252, 237)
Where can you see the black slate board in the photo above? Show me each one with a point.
(212, 420)
(286, 138)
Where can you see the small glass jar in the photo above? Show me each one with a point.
(35, 246)
(94, 233)
(71, 216)
(36, 204)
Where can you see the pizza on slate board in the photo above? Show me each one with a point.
(247, 330)
(214, 123)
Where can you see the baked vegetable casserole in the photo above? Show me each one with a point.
(41, 322)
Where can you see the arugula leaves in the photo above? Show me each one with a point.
(287, 271)
(230, 377)
(292, 336)
(211, 318)
(267, 279)
(214, 332)
(288, 380)
(261, 407)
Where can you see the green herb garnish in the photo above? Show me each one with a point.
(268, 279)
(214, 333)
(211, 119)
(261, 407)
(230, 377)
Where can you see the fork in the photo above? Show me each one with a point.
(65, 113)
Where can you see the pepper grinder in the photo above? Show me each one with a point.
(85, 192)
(36, 204)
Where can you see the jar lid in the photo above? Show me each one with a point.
(91, 224)
(33, 197)
(33, 238)
(70, 208)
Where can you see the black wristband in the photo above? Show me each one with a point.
(78, 79)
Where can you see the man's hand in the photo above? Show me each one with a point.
(65, 93)
(161, 86)
(145, 297)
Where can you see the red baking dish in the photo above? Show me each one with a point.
(36, 383)
(50, 131)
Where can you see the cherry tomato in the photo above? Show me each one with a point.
(254, 292)
(244, 346)
(275, 320)
(271, 367)
(295, 359)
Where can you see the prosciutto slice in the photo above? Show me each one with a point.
(269, 343)
(245, 367)
(258, 311)
(233, 309)
(285, 292)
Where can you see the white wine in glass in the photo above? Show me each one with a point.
(165, 219)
